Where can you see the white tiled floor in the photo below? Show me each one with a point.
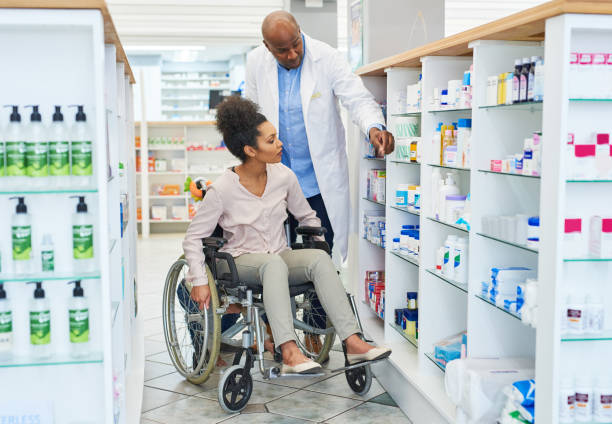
(169, 399)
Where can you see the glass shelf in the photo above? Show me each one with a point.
(460, 286)
(373, 244)
(530, 106)
(113, 243)
(590, 100)
(407, 162)
(448, 224)
(457, 168)
(404, 209)
(509, 243)
(47, 190)
(406, 114)
(374, 201)
(406, 258)
(486, 300)
(588, 181)
(372, 310)
(376, 159)
(432, 358)
(587, 260)
(605, 335)
(451, 110)
(512, 174)
(114, 311)
(413, 341)
(51, 276)
(26, 361)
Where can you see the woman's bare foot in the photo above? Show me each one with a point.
(292, 356)
(354, 345)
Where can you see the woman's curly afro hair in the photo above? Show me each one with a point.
(237, 120)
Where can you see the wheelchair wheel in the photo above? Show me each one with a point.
(192, 336)
(316, 347)
(235, 389)
(359, 379)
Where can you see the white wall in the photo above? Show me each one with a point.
(318, 22)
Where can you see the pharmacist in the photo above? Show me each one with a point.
(297, 81)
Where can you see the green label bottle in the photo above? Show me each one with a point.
(22, 243)
(2, 164)
(37, 156)
(79, 325)
(81, 158)
(40, 327)
(15, 158)
(48, 260)
(6, 322)
(82, 241)
(59, 158)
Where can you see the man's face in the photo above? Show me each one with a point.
(287, 47)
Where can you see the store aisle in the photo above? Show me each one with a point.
(169, 399)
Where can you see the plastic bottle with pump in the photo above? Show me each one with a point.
(40, 323)
(449, 188)
(37, 150)
(6, 324)
(21, 233)
(15, 147)
(47, 254)
(59, 150)
(78, 316)
(81, 149)
(82, 238)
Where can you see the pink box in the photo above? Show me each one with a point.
(496, 165)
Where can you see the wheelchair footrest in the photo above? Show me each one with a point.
(274, 372)
(357, 365)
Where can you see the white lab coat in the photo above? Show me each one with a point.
(326, 78)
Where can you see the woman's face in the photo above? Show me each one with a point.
(269, 147)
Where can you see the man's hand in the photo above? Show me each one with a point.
(201, 295)
(383, 141)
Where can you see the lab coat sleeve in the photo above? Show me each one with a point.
(250, 86)
(353, 95)
(203, 224)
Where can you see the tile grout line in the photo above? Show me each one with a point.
(343, 412)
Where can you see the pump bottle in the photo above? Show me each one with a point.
(6, 324)
(15, 150)
(78, 316)
(37, 150)
(40, 323)
(449, 188)
(59, 151)
(82, 150)
(21, 233)
(82, 238)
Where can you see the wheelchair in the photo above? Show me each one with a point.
(193, 337)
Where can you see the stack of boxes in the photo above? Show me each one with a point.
(375, 291)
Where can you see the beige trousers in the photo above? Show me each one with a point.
(276, 272)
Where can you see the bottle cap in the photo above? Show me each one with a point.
(606, 225)
(21, 206)
(526, 61)
(603, 138)
(534, 221)
(80, 116)
(573, 225)
(396, 240)
(534, 59)
(584, 150)
(464, 123)
(518, 62)
(35, 116)
(39, 293)
(81, 206)
(78, 290)
(15, 116)
(57, 116)
(2, 292)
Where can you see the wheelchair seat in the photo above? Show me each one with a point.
(258, 288)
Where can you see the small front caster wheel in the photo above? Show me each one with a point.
(235, 389)
(359, 379)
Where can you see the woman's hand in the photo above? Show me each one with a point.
(201, 295)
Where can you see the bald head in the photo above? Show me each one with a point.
(283, 38)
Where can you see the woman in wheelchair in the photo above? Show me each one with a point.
(250, 203)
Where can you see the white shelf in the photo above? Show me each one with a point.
(170, 221)
(174, 196)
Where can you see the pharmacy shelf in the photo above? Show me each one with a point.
(47, 190)
(367, 305)
(456, 284)
(415, 212)
(374, 201)
(604, 336)
(174, 196)
(451, 110)
(588, 181)
(54, 360)
(374, 244)
(194, 88)
(113, 243)
(406, 114)
(448, 224)
(194, 79)
(454, 168)
(50, 276)
(376, 159)
(412, 340)
(486, 300)
(169, 221)
(404, 162)
(526, 106)
(432, 358)
(509, 174)
(114, 311)
(180, 174)
(587, 260)
(590, 100)
(509, 243)
(407, 258)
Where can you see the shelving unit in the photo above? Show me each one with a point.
(197, 163)
(93, 72)
(445, 307)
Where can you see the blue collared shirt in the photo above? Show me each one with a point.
(292, 129)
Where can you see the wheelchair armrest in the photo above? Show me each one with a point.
(214, 243)
(312, 244)
(311, 231)
(229, 259)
